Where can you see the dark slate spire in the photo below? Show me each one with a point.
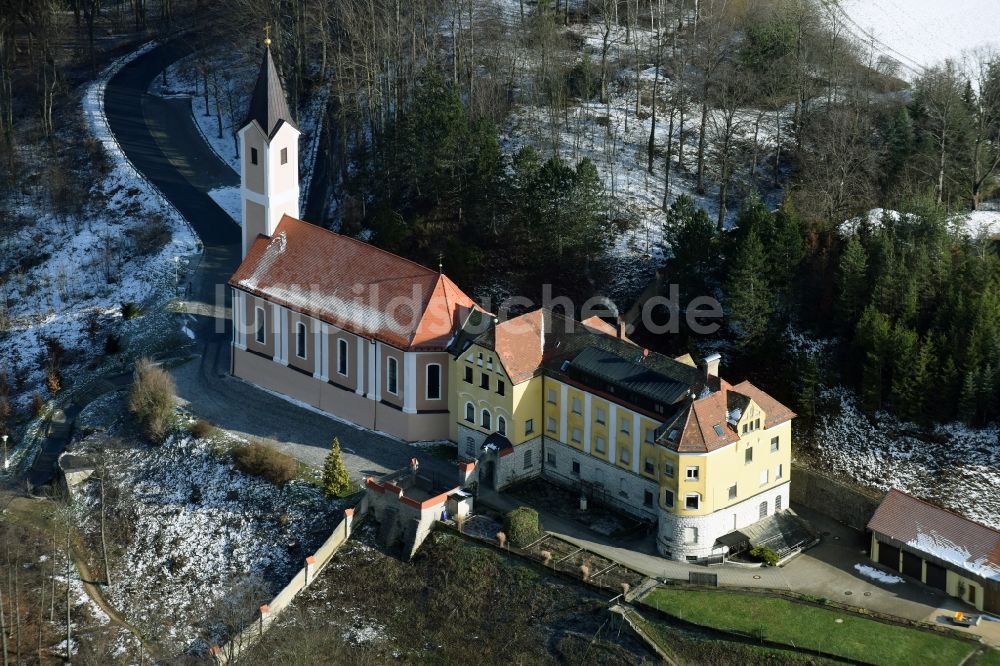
(268, 104)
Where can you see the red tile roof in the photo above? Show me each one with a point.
(942, 534)
(696, 424)
(353, 286)
(520, 342)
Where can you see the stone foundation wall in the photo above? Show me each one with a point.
(672, 538)
(623, 489)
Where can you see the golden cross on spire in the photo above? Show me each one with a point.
(267, 35)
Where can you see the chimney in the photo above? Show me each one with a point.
(711, 364)
(621, 328)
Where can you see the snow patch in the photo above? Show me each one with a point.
(877, 575)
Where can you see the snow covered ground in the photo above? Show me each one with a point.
(61, 272)
(956, 467)
(877, 574)
(975, 224)
(922, 33)
(615, 139)
(199, 533)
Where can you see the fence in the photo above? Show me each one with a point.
(302, 579)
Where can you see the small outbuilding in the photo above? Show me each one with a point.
(939, 548)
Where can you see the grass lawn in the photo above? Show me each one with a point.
(989, 658)
(808, 627)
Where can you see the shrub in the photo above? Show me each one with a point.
(765, 555)
(521, 526)
(152, 400)
(53, 380)
(266, 462)
(336, 478)
(201, 429)
(37, 404)
(151, 237)
(130, 310)
(112, 344)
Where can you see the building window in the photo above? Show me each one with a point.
(479, 359)
(774, 445)
(500, 387)
(649, 435)
(625, 456)
(763, 509)
(392, 375)
(647, 498)
(253, 156)
(692, 501)
(650, 466)
(259, 323)
(668, 498)
(599, 444)
(600, 415)
(550, 458)
(550, 424)
(732, 492)
(468, 375)
(434, 381)
(486, 419)
(528, 462)
(342, 356)
(484, 381)
(777, 504)
(576, 436)
(764, 476)
(470, 413)
(668, 469)
(501, 425)
(552, 396)
(284, 155)
(300, 340)
(470, 447)
(624, 425)
(692, 474)
(576, 468)
(778, 471)
(748, 455)
(577, 408)
(756, 424)
(690, 535)
(529, 426)
(489, 363)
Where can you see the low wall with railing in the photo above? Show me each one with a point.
(302, 579)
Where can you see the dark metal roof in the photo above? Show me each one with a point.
(268, 104)
(630, 374)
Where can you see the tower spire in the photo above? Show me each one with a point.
(267, 35)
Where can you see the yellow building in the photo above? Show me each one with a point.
(660, 438)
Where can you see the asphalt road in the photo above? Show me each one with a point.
(160, 138)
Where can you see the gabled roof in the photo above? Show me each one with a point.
(268, 103)
(353, 286)
(520, 342)
(696, 422)
(939, 533)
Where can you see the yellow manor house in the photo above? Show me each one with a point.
(393, 346)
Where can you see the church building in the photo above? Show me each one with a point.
(329, 320)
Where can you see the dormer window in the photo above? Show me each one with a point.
(718, 430)
(253, 156)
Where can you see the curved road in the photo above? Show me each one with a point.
(160, 138)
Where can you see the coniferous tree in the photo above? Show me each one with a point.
(967, 399)
(691, 239)
(336, 478)
(852, 282)
(905, 384)
(748, 294)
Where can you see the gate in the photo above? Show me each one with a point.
(888, 556)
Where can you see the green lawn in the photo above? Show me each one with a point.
(989, 658)
(809, 627)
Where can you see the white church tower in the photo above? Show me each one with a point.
(269, 149)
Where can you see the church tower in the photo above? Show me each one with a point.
(269, 162)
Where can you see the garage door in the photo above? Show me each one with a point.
(912, 565)
(888, 556)
(936, 576)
